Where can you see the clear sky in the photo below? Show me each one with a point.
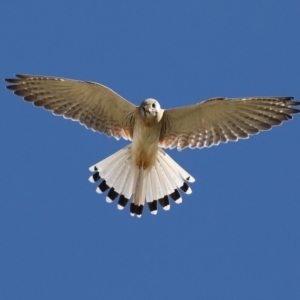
(235, 237)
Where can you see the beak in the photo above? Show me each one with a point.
(145, 111)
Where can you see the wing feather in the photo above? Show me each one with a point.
(93, 105)
(220, 120)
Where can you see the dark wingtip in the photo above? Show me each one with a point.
(286, 98)
(11, 87)
(289, 102)
(10, 80)
(293, 111)
(16, 79)
(21, 75)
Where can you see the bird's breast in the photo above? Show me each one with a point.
(145, 140)
(146, 133)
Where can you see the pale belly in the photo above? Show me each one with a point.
(145, 145)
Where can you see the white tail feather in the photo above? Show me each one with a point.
(152, 184)
(160, 193)
(141, 187)
(129, 189)
(111, 168)
(105, 163)
(149, 194)
(120, 184)
(118, 170)
(173, 174)
(165, 184)
(174, 166)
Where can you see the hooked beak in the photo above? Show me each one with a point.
(145, 111)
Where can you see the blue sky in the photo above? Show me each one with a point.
(235, 237)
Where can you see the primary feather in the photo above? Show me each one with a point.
(142, 171)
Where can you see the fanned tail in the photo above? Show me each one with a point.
(139, 194)
(124, 179)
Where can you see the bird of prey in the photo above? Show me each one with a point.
(142, 170)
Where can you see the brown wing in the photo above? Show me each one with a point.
(92, 104)
(221, 120)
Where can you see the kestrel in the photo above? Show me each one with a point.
(142, 170)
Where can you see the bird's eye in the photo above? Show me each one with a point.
(153, 105)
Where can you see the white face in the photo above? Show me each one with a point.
(149, 108)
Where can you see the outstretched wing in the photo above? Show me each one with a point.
(92, 104)
(221, 120)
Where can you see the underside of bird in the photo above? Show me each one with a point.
(141, 171)
(156, 184)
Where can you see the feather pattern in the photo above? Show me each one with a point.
(220, 120)
(142, 170)
(87, 102)
(137, 185)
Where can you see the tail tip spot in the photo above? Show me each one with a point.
(108, 200)
(98, 190)
(167, 207)
(120, 207)
(178, 201)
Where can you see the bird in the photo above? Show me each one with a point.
(142, 172)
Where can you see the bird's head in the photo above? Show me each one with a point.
(150, 110)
